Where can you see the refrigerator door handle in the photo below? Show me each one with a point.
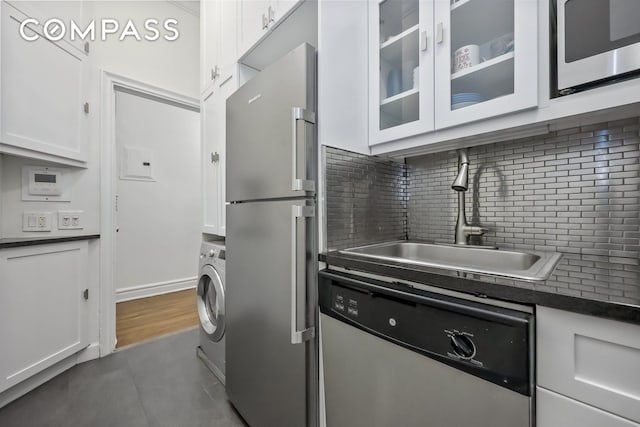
(298, 184)
(298, 336)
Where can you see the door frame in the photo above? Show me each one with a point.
(109, 82)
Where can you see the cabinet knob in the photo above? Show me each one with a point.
(215, 157)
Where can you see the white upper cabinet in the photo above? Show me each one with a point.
(401, 66)
(437, 64)
(486, 59)
(257, 17)
(43, 86)
(213, 119)
(208, 43)
(65, 10)
(227, 37)
(283, 7)
(218, 41)
(210, 119)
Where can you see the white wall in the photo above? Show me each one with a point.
(159, 221)
(84, 196)
(169, 65)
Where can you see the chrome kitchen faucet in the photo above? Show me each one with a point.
(461, 185)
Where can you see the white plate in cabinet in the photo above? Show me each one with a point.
(593, 360)
(42, 84)
(43, 306)
(555, 410)
(505, 74)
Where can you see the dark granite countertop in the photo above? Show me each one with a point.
(592, 285)
(14, 242)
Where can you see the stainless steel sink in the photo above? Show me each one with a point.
(533, 266)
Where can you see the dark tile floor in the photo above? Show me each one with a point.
(158, 383)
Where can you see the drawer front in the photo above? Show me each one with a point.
(554, 410)
(589, 359)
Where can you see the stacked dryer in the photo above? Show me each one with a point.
(211, 307)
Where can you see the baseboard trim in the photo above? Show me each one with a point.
(36, 380)
(153, 289)
(90, 353)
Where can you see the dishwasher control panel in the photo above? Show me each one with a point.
(491, 342)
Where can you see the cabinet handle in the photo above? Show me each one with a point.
(265, 22)
(440, 33)
(215, 72)
(215, 157)
(271, 14)
(423, 41)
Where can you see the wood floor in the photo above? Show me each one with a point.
(145, 318)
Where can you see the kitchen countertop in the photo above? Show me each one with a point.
(15, 242)
(597, 302)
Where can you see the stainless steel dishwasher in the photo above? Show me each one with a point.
(400, 357)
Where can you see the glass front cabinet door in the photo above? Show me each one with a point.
(486, 58)
(401, 58)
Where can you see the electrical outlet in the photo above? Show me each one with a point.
(36, 221)
(70, 220)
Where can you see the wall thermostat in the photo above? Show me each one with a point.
(43, 183)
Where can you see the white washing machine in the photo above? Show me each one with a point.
(211, 307)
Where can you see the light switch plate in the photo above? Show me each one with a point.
(36, 221)
(70, 220)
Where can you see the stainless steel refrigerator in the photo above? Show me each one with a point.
(271, 265)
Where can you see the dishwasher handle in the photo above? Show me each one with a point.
(379, 289)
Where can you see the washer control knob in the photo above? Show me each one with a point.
(463, 346)
(212, 253)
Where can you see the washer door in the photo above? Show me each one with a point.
(211, 303)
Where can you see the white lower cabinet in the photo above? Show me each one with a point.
(592, 360)
(43, 306)
(213, 117)
(555, 410)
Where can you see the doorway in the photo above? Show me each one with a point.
(157, 214)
